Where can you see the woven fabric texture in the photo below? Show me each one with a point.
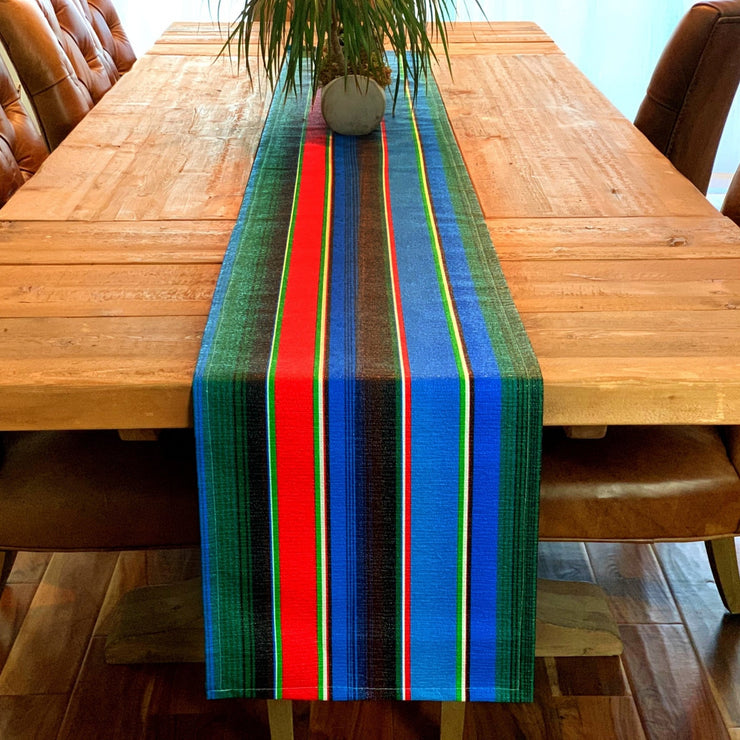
(368, 414)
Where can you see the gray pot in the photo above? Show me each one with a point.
(353, 105)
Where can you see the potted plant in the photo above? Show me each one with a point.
(342, 45)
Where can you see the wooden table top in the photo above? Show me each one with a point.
(627, 279)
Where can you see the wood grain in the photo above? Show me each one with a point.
(633, 583)
(627, 279)
(564, 561)
(15, 602)
(54, 636)
(680, 686)
(715, 635)
(671, 692)
(23, 717)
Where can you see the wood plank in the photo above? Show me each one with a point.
(540, 141)
(164, 623)
(633, 583)
(158, 624)
(113, 242)
(646, 237)
(179, 161)
(641, 390)
(15, 602)
(113, 373)
(29, 567)
(172, 566)
(369, 720)
(714, 634)
(128, 574)
(23, 717)
(109, 701)
(55, 633)
(668, 684)
(574, 619)
(564, 561)
(107, 290)
(627, 285)
(356, 719)
(598, 717)
(556, 718)
(593, 676)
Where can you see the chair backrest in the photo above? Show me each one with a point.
(104, 19)
(59, 59)
(22, 150)
(692, 88)
(731, 204)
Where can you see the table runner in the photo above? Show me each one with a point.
(368, 419)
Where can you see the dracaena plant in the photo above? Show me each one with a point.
(331, 38)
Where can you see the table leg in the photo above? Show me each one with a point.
(280, 714)
(452, 720)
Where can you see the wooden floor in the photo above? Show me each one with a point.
(679, 677)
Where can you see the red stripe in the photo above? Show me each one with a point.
(403, 350)
(294, 427)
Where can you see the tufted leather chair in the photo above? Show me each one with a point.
(104, 19)
(22, 150)
(692, 88)
(59, 59)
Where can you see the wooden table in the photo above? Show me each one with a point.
(627, 279)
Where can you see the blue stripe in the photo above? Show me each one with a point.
(486, 420)
(435, 424)
(345, 536)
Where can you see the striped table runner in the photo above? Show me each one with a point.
(368, 418)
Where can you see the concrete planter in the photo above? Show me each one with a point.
(353, 106)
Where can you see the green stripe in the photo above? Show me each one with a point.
(318, 424)
(270, 404)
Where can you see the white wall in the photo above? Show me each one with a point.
(615, 42)
(145, 20)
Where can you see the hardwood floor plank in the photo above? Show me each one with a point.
(29, 567)
(169, 566)
(536, 721)
(129, 573)
(15, 602)
(714, 633)
(598, 676)
(564, 561)
(672, 694)
(109, 701)
(52, 641)
(358, 720)
(414, 720)
(24, 717)
(577, 698)
(635, 587)
(602, 717)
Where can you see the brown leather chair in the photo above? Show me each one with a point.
(645, 484)
(692, 88)
(59, 59)
(22, 150)
(89, 490)
(104, 19)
